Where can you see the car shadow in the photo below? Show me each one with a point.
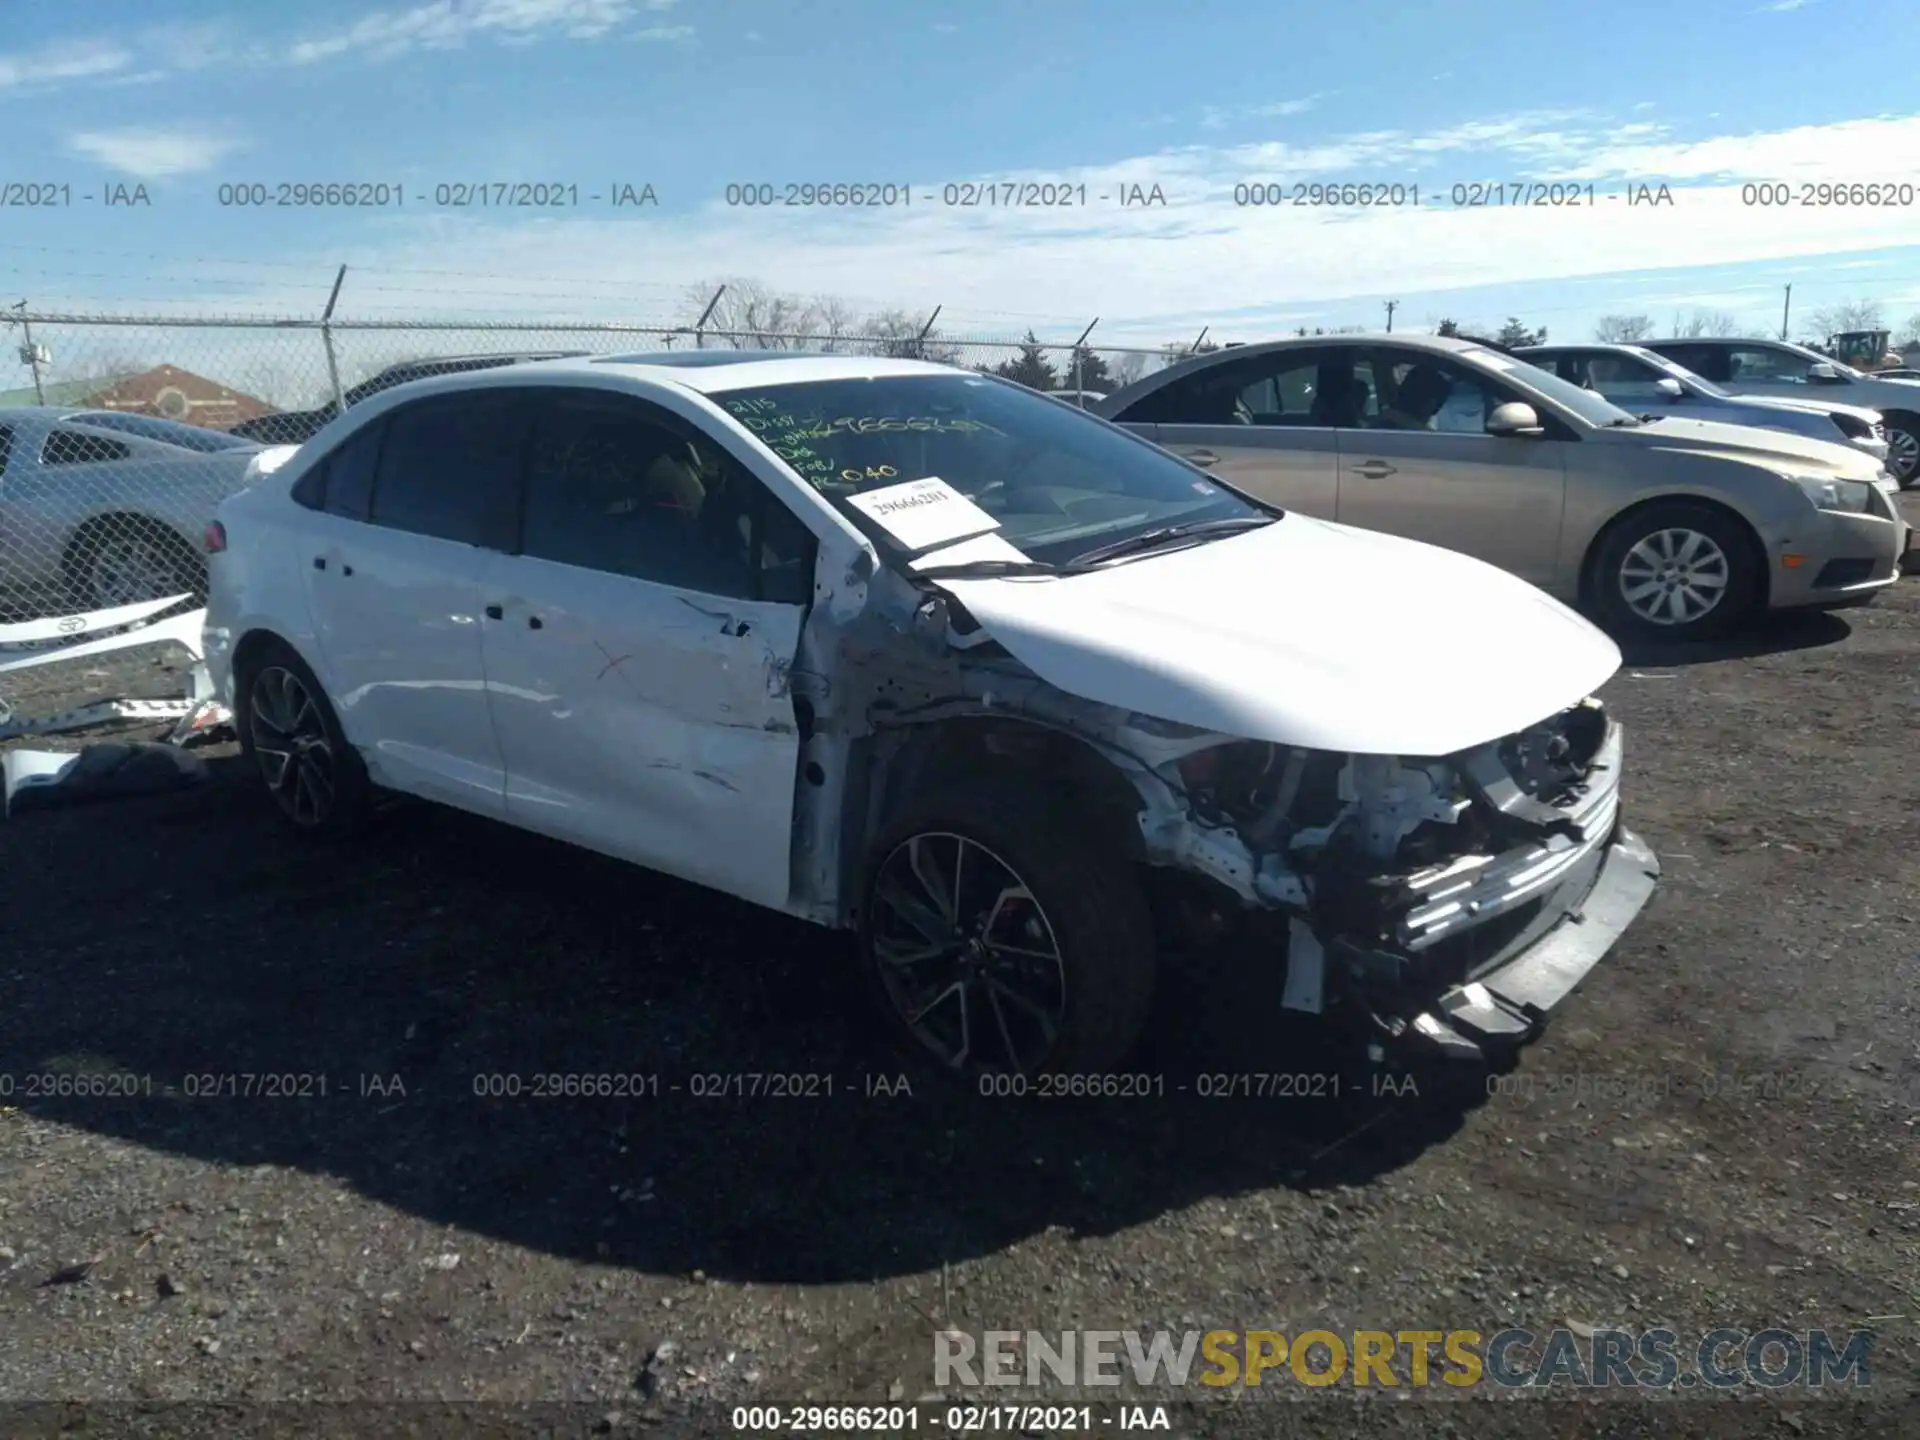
(1765, 635)
(426, 970)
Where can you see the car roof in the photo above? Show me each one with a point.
(715, 371)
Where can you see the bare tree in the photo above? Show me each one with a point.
(835, 319)
(1622, 329)
(902, 335)
(1909, 332)
(749, 315)
(1129, 365)
(1706, 322)
(1831, 320)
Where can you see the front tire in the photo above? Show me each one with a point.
(1675, 571)
(1001, 937)
(289, 733)
(1903, 450)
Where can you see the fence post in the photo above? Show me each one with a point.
(920, 340)
(326, 341)
(30, 353)
(700, 325)
(1079, 369)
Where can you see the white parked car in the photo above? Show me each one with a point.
(1019, 698)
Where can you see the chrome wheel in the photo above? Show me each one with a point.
(290, 744)
(130, 567)
(1674, 577)
(1903, 455)
(965, 954)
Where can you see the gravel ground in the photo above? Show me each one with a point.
(1721, 1129)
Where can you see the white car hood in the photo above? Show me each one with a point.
(1305, 633)
(1861, 413)
(1779, 450)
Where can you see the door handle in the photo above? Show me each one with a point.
(494, 612)
(534, 622)
(1202, 458)
(319, 562)
(1375, 470)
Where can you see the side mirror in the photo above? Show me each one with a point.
(1821, 370)
(1669, 388)
(1514, 418)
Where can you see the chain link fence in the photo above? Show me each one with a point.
(120, 434)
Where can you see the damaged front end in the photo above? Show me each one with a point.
(1453, 901)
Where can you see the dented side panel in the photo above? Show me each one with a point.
(688, 693)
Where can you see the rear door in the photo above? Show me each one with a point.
(639, 643)
(1633, 384)
(1262, 423)
(412, 505)
(1439, 477)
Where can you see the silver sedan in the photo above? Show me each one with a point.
(1661, 526)
(101, 508)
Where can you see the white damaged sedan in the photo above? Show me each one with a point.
(1018, 698)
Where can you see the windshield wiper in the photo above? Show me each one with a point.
(1165, 534)
(1092, 559)
(987, 570)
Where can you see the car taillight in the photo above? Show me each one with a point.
(216, 537)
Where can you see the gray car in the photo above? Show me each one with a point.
(1777, 368)
(1641, 380)
(101, 508)
(1663, 527)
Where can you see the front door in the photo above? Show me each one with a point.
(1419, 463)
(638, 648)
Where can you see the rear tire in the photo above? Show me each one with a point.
(1675, 571)
(989, 913)
(124, 559)
(291, 736)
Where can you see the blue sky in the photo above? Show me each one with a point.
(1194, 97)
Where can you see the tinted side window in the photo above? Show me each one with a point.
(1276, 389)
(1709, 361)
(449, 467)
(615, 485)
(342, 484)
(1423, 392)
(77, 447)
(6, 446)
(1759, 363)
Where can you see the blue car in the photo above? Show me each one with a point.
(1642, 381)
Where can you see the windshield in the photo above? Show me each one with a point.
(1590, 406)
(1059, 481)
(1679, 372)
(148, 427)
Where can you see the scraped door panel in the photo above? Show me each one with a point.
(646, 721)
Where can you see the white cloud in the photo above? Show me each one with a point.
(1285, 107)
(151, 154)
(1204, 256)
(447, 24)
(944, 28)
(663, 33)
(67, 60)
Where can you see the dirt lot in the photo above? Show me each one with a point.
(1722, 1129)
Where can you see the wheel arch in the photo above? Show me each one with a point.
(1589, 562)
(918, 759)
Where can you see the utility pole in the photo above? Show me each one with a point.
(1392, 305)
(1786, 308)
(30, 353)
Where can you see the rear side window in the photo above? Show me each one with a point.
(78, 447)
(342, 484)
(6, 446)
(450, 467)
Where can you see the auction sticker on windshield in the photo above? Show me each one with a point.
(921, 514)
